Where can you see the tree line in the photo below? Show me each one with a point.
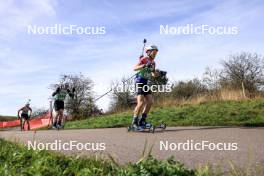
(241, 72)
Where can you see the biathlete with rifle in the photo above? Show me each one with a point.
(145, 70)
(60, 95)
(24, 116)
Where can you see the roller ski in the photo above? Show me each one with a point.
(161, 126)
(58, 125)
(55, 127)
(143, 128)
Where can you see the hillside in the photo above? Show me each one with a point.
(218, 113)
(7, 118)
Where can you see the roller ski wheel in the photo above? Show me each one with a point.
(54, 127)
(152, 129)
(133, 128)
(57, 127)
(129, 129)
(60, 127)
(163, 126)
(147, 128)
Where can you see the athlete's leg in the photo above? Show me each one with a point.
(60, 117)
(63, 120)
(23, 126)
(58, 106)
(140, 105)
(138, 108)
(149, 101)
(55, 119)
(28, 124)
(21, 123)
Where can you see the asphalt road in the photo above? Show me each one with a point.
(242, 146)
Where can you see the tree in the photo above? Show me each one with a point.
(39, 111)
(126, 98)
(82, 104)
(211, 79)
(122, 94)
(188, 89)
(243, 71)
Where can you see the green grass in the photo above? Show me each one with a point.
(7, 118)
(221, 113)
(16, 159)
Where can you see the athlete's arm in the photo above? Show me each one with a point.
(18, 112)
(57, 91)
(71, 94)
(30, 111)
(139, 66)
(154, 73)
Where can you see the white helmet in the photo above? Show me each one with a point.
(66, 85)
(28, 102)
(150, 48)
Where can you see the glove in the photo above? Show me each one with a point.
(58, 90)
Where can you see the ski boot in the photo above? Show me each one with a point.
(145, 125)
(140, 126)
(54, 125)
(134, 126)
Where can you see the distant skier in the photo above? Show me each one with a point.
(60, 95)
(24, 116)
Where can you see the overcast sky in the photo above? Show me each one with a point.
(29, 63)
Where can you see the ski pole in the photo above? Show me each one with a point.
(101, 96)
(144, 44)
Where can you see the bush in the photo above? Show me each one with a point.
(188, 89)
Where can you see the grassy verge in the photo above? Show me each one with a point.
(16, 159)
(220, 113)
(7, 118)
